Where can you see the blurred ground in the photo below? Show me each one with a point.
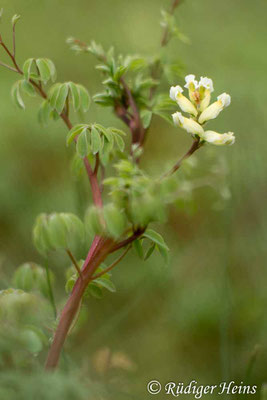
(203, 316)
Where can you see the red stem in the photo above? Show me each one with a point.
(98, 252)
(96, 191)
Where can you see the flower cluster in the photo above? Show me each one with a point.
(200, 110)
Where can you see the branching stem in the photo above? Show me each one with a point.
(74, 262)
(92, 175)
(116, 262)
(195, 146)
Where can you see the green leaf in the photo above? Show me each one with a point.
(118, 131)
(95, 140)
(149, 251)
(105, 152)
(103, 99)
(28, 88)
(120, 72)
(53, 94)
(74, 132)
(76, 166)
(55, 115)
(115, 220)
(104, 131)
(146, 117)
(94, 290)
(134, 63)
(44, 112)
(27, 68)
(164, 253)
(155, 238)
(61, 98)
(44, 69)
(15, 93)
(82, 146)
(102, 68)
(75, 95)
(70, 283)
(84, 97)
(105, 283)
(52, 69)
(120, 142)
(137, 245)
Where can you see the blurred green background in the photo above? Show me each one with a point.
(204, 317)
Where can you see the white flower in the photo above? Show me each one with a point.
(225, 99)
(219, 139)
(182, 101)
(190, 82)
(192, 86)
(215, 108)
(188, 124)
(174, 90)
(206, 83)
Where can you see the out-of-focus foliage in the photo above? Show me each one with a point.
(204, 318)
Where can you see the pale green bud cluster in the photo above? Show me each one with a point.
(200, 110)
(21, 318)
(57, 231)
(32, 277)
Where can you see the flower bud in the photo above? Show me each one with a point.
(205, 89)
(206, 83)
(219, 139)
(214, 109)
(188, 124)
(192, 86)
(174, 91)
(30, 276)
(182, 101)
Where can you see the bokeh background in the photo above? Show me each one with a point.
(203, 317)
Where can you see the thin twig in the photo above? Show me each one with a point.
(129, 240)
(193, 148)
(11, 56)
(116, 262)
(50, 289)
(74, 262)
(195, 145)
(135, 124)
(8, 67)
(165, 37)
(164, 41)
(14, 40)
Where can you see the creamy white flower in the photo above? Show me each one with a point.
(215, 108)
(174, 90)
(192, 86)
(190, 81)
(205, 101)
(182, 101)
(188, 124)
(225, 99)
(219, 139)
(207, 83)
